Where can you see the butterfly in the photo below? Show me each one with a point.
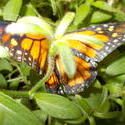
(33, 50)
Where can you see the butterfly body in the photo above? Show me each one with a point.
(33, 49)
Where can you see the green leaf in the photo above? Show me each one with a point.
(100, 16)
(103, 103)
(5, 65)
(39, 3)
(117, 67)
(16, 113)
(119, 15)
(89, 1)
(57, 7)
(81, 13)
(103, 6)
(86, 108)
(103, 97)
(2, 117)
(12, 9)
(29, 10)
(92, 121)
(97, 84)
(67, 59)
(24, 28)
(46, 29)
(63, 25)
(4, 52)
(14, 84)
(119, 101)
(57, 106)
(77, 121)
(54, 6)
(1, 14)
(105, 107)
(41, 115)
(3, 83)
(57, 122)
(25, 69)
(94, 100)
(115, 88)
(107, 115)
(115, 79)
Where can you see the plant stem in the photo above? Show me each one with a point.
(45, 78)
(15, 93)
(15, 79)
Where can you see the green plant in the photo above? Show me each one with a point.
(103, 103)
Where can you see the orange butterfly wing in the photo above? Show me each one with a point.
(29, 48)
(86, 56)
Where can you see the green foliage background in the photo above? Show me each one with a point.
(102, 103)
